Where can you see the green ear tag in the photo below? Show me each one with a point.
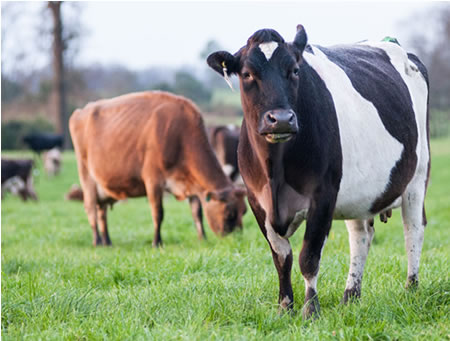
(208, 197)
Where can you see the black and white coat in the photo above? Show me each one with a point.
(330, 133)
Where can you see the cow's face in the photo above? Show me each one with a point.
(224, 210)
(269, 72)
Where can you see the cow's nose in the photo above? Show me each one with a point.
(279, 121)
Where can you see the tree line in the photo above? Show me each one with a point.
(44, 97)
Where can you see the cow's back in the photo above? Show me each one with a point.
(122, 137)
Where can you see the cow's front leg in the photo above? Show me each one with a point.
(281, 254)
(317, 228)
(197, 215)
(282, 258)
(360, 233)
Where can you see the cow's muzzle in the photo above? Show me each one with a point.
(278, 125)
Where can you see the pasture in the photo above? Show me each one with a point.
(55, 285)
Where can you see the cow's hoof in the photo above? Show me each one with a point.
(412, 283)
(311, 309)
(106, 243)
(96, 241)
(157, 244)
(351, 295)
(286, 305)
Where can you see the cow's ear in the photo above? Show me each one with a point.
(220, 195)
(221, 60)
(300, 38)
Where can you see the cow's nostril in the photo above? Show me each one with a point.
(271, 118)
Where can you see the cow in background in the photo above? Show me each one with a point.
(39, 142)
(224, 141)
(75, 193)
(17, 177)
(52, 161)
(142, 144)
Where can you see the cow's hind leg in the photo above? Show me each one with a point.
(360, 234)
(155, 196)
(414, 222)
(102, 222)
(196, 209)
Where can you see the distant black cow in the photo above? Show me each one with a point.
(43, 141)
(17, 178)
(225, 140)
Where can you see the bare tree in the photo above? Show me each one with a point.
(59, 88)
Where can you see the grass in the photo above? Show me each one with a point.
(55, 285)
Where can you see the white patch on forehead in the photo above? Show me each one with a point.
(268, 48)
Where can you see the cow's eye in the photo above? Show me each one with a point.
(247, 76)
(295, 72)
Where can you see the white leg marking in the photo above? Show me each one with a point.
(360, 235)
(279, 244)
(285, 302)
(268, 48)
(311, 282)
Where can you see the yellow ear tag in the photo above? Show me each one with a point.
(225, 76)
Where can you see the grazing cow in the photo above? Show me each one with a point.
(225, 140)
(75, 193)
(142, 144)
(17, 177)
(39, 142)
(52, 161)
(330, 133)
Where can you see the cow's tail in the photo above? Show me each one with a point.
(424, 72)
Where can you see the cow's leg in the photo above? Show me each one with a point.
(281, 254)
(196, 209)
(414, 222)
(102, 222)
(282, 258)
(90, 201)
(30, 188)
(155, 196)
(360, 233)
(317, 227)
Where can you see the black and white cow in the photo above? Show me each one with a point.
(17, 178)
(330, 133)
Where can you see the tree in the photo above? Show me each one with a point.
(59, 91)
(428, 36)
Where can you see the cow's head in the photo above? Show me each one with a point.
(224, 209)
(269, 72)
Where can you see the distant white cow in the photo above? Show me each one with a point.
(52, 161)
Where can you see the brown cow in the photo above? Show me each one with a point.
(142, 144)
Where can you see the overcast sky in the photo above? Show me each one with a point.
(144, 34)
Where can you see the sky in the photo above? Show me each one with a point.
(145, 34)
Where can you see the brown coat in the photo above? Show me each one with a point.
(142, 144)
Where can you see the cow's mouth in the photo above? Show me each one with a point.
(278, 137)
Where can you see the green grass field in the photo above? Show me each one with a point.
(55, 285)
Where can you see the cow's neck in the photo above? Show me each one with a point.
(205, 170)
